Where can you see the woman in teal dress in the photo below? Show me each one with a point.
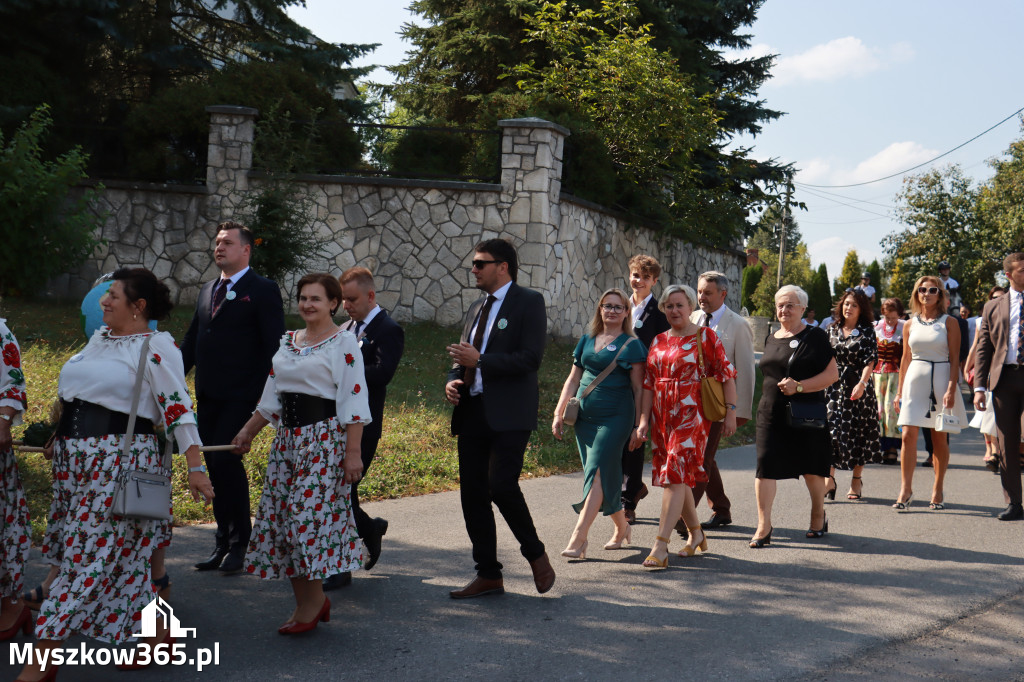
(606, 416)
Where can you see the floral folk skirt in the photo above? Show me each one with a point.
(103, 581)
(304, 526)
(14, 528)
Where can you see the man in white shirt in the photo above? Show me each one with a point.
(865, 286)
(952, 286)
(737, 339)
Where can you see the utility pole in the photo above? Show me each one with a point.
(782, 232)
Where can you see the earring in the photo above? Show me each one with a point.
(135, 316)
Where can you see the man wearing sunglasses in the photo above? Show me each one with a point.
(1000, 367)
(493, 386)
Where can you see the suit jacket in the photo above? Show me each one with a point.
(509, 363)
(992, 338)
(381, 342)
(737, 338)
(654, 323)
(232, 351)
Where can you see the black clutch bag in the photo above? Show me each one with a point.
(807, 415)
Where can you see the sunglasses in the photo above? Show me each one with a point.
(607, 307)
(479, 264)
(928, 290)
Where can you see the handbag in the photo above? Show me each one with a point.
(947, 422)
(141, 494)
(572, 408)
(806, 415)
(712, 393)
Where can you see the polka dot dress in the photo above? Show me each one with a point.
(853, 424)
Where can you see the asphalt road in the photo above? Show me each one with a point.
(885, 595)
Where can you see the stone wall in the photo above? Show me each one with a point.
(416, 236)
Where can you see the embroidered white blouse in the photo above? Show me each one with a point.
(12, 379)
(104, 374)
(331, 369)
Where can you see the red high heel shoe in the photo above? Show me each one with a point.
(294, 627)
(23, 621)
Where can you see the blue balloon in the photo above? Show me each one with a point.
(92, 312)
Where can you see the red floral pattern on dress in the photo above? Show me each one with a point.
(304, 525)
(12, 358)
(156, 359)
(679, 432)
(14, 533)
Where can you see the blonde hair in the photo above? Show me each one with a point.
(683, 289)
(917, 307)
(597, 323)
(800, 294)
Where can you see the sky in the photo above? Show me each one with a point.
(869, 89)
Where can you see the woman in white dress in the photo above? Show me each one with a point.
(929, 371)
(14, 527)
(316, 398)
(103, 577)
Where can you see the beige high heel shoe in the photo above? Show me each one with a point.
(580, 553)
(703, 546)
(628, 540)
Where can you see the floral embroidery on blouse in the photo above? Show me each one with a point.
(173, 408)
(289, 343)
(155, 359)
(356, 389)
(13, 378)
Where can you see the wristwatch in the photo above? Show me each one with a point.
(799, 387)
(7, 417)
(199, 469)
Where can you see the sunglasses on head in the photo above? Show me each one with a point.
(927, 290)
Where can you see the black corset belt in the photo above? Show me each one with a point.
(81, 419)
(301, 409)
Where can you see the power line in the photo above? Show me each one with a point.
(818, 193)
(853, 206)
(920, 165)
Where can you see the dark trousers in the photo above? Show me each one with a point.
(1008, 403)
(219, 422)
(364, 524)
(632, 474)
(489, 466)
(713, 486)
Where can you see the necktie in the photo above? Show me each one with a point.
(359, 325)
(478, 336)
(707, 320)
(1020, 331)
(218, 296)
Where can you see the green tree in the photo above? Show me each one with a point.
(767, 234)
(820, 293)
(45, 228)
(797, 270)
(940, 210)
(751, 278)
(849, 276)
(1000, 219)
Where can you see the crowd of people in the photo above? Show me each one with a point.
(676, 370)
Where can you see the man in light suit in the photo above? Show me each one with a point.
(493, 386)
(235, 332)
(999, 366)
(737, 338)
(381, 342)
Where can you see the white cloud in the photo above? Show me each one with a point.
(814, 171)
(837, 59)
(897, 157)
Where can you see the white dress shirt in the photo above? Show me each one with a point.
(478, 384)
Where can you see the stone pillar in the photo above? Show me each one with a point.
(531, 183)
(229, 156)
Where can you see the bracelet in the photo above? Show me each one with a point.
(201, 469)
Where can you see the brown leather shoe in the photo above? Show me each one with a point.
(478, 588)
(642, 493)
(543, 574)
(630, 516)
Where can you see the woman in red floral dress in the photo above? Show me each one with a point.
(671, 408)
(316, 396)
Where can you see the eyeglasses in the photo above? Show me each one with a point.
(609, 308)
(928, 290)
(479, 264)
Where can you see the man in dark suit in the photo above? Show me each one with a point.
(493, 386)
(648, 322)
(1000, 367)
(381, 341)
(235, 332)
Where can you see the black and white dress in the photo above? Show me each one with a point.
(853, 424)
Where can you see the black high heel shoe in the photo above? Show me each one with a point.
(758, 543)
(811, 533)
(831, 494)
